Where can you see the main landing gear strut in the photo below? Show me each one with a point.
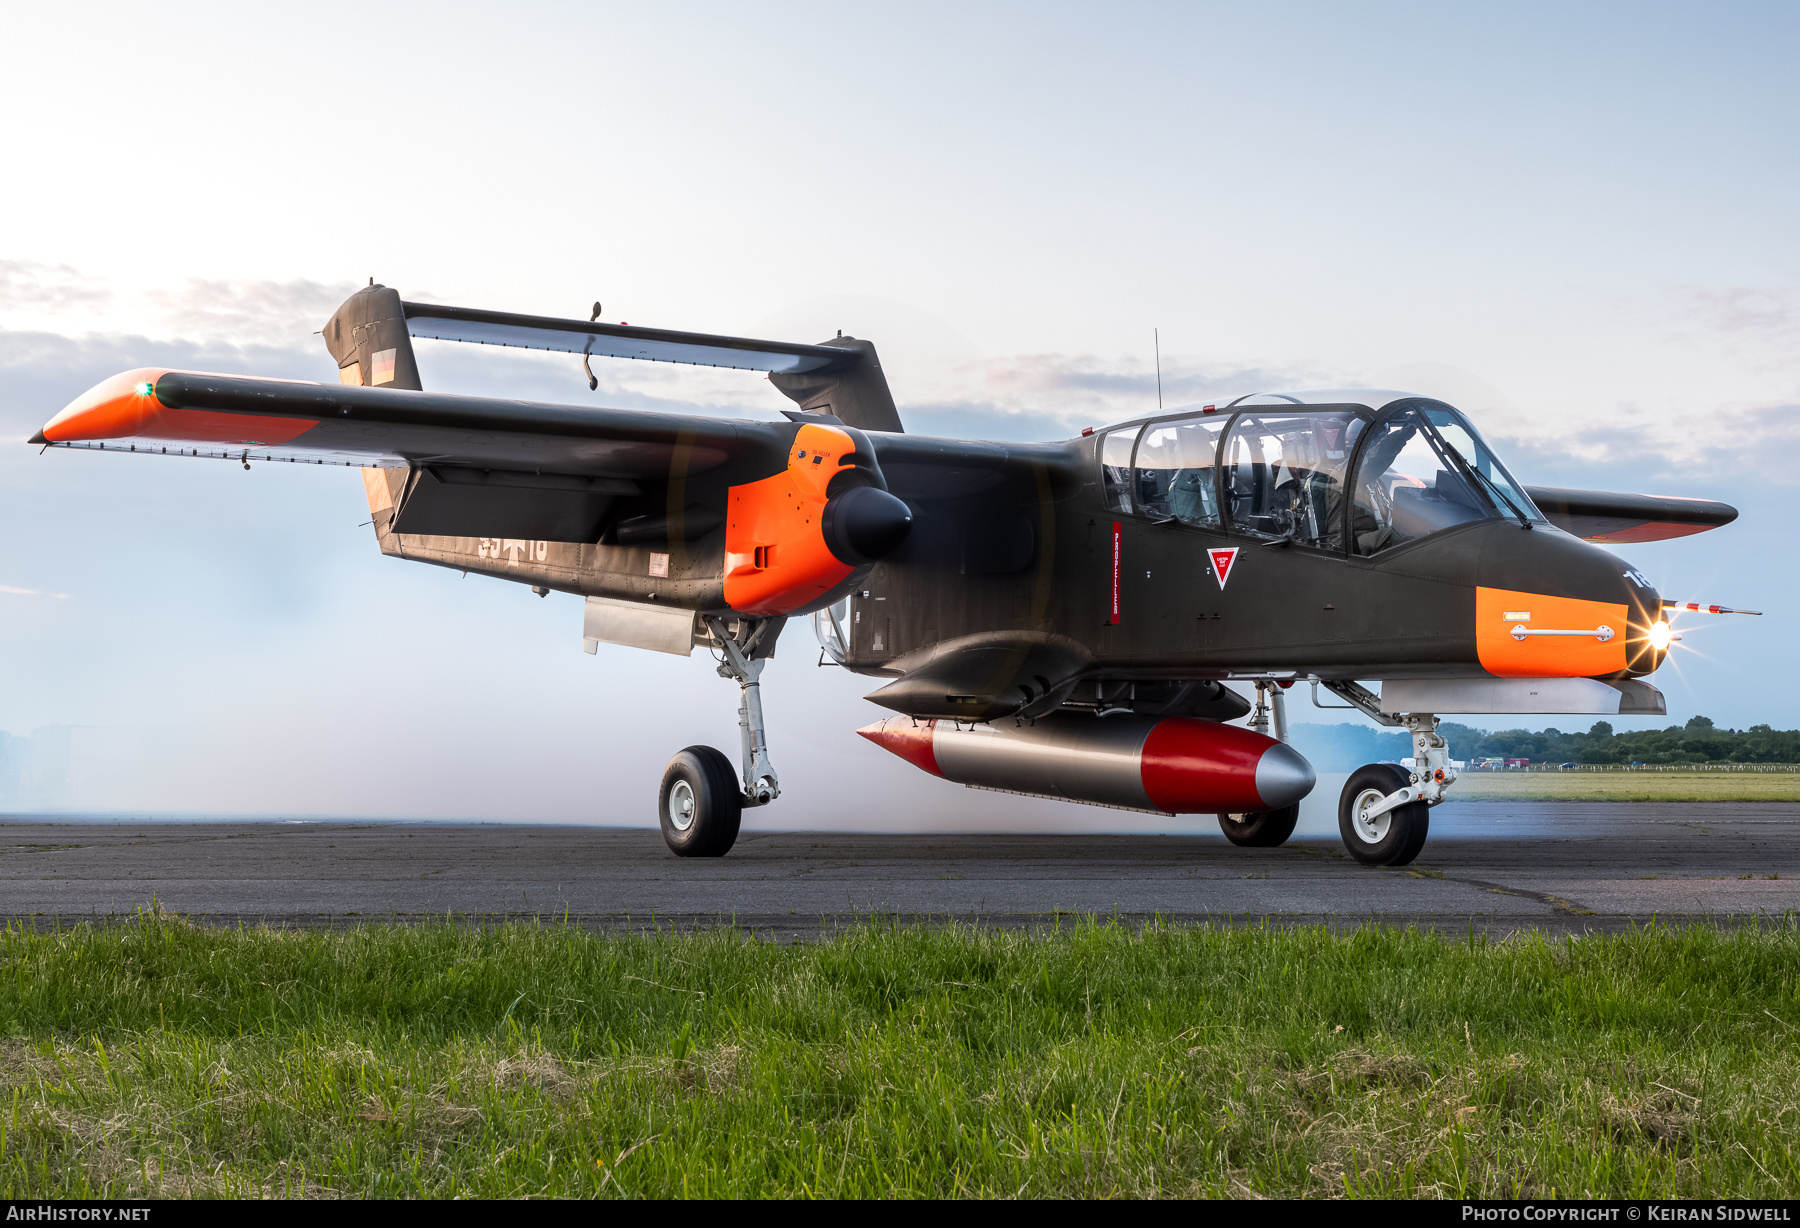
(1269, 828)
(701, 804)
(1384, 812)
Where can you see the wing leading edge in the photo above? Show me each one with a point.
(196, 413)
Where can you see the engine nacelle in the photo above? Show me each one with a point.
(1177, 765)
(789, 541)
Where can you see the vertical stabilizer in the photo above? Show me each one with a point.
(855, 389)
(368, 338)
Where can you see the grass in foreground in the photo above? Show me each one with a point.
(1628, 786)
(156, 1058)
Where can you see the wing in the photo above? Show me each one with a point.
(196, 413)
(480, 466)
(1601, 516)
(761, 518)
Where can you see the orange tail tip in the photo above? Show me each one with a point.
(912, 742)
(127, 407)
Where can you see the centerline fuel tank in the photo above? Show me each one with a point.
(1176, 766)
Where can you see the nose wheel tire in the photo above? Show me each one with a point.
(700, 803)
(1265, 830)
(1390, 839)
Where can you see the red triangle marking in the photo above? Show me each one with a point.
(1222, 561)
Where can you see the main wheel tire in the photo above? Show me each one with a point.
(1391, 839)
(700, 803)
(1265, 830)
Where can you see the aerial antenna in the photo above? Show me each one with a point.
(1156, 341)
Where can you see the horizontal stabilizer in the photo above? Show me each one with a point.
(479, 327)
(1602, 516)
(841, 378)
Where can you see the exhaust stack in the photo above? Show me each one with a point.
(1173, 766)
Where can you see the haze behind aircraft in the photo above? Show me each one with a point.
(1055, 619)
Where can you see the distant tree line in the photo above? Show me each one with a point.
(1698, 741)
(1344, 747)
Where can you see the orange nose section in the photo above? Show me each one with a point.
(1529, 635)
(126, 407)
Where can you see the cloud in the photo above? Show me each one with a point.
(51, 289)
(1753, 328)
(1707, 447)
(1051, 396)
(62, 299)
(1745, 311)
(254, 312)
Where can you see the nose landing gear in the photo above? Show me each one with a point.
(701, 804)
(1384, 812)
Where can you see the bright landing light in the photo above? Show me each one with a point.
(1660, 635)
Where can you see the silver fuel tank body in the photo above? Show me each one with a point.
(1176, 765)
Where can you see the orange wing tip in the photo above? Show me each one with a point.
(117, 407)
(127, 406)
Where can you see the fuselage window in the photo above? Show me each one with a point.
(1284, 475)
(1423, 471)
(1175, 471)
(1115, 467)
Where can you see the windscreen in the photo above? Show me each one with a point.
(1425, 470)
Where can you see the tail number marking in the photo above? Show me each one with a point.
(512, 548)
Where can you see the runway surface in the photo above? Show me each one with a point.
(1499, 866)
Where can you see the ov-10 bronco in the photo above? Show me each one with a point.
(1054, 619)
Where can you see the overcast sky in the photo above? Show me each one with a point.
(1575, 221)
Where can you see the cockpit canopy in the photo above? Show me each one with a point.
(1332, 477)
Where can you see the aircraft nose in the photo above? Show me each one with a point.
(865, 524)
(1283, 776)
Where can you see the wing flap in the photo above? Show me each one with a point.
(1623, 519)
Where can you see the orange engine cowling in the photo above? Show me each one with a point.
(789, 542)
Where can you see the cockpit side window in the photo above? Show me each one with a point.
(1115, 467)
(1175, 471)
(1423, 471)
(1284, 475)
